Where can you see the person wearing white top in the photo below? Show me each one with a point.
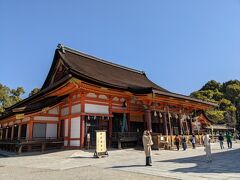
(207, 145)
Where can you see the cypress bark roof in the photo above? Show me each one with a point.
(101, 72)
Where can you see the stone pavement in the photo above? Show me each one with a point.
(125, 164)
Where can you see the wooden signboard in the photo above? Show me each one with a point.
(19, 116)
(101, 146)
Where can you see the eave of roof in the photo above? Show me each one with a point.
(34, 97)
(175, 95)
(35, 107)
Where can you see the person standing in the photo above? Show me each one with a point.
(184, 143)
(221, 139)
(193, 141)
(177, 141)
(207, 145)
(229, 140)
(147, 143)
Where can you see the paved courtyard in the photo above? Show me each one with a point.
(124, 164)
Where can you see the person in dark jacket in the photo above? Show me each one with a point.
(193, 141)
(177, 141)
(184, 142)
(229, 140)
(221, 139)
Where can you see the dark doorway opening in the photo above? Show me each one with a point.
(62, 129)
(93, 123)
(137, 127)
(15, 134)
(117, 122)
(9, 133)
(4, 133)
(23, 131)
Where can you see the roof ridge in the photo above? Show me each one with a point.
(65, 48)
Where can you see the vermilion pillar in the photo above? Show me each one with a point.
(82, 130)
(147, 117)
(110, 130)
(82, 122)
(30, 136)
(6, 134)
(165, 123)
(12, 133)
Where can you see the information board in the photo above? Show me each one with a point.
(101, 146)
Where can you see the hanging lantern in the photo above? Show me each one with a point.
(155, 113)
(160, 114)
(176, 116)
(169, 115)
(88, 117)
(95, 117)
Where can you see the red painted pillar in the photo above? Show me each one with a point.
(69, 118)
(30, 136)
(19, 131)
(82, 130)
(12, 133)
(147, 117)
(6, 134)
(110, 131)
(82, 122)
(165, 123)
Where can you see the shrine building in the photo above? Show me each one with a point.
(83, 93)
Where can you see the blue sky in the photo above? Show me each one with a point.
(179, 44)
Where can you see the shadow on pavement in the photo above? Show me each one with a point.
(128, 166)
(223, 162)
(82, 157)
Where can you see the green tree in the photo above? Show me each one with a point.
(8, 96)
(233, 92)
(216, 116)
(211, 85)
(227, 96)
(34, 91)
(225, 84)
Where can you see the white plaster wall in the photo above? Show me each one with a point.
(65, 127)
(26, 119)
(65, 143)
(39, 130)
(93, 108)
(92, 95)
(65, 111)
(75, 127)
(43, 118)
(10, 123)
(54, 111)
(75, 143)
(17, 122)
(76, 109)
(51, 131)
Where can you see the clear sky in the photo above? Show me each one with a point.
(180, 44)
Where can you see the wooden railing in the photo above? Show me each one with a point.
(167, 142)
(125, 137)
(19, 146)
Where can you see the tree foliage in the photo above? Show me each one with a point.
(8, 96)
(227, 96)
(34, 91)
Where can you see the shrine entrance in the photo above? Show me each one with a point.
(92, 124)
